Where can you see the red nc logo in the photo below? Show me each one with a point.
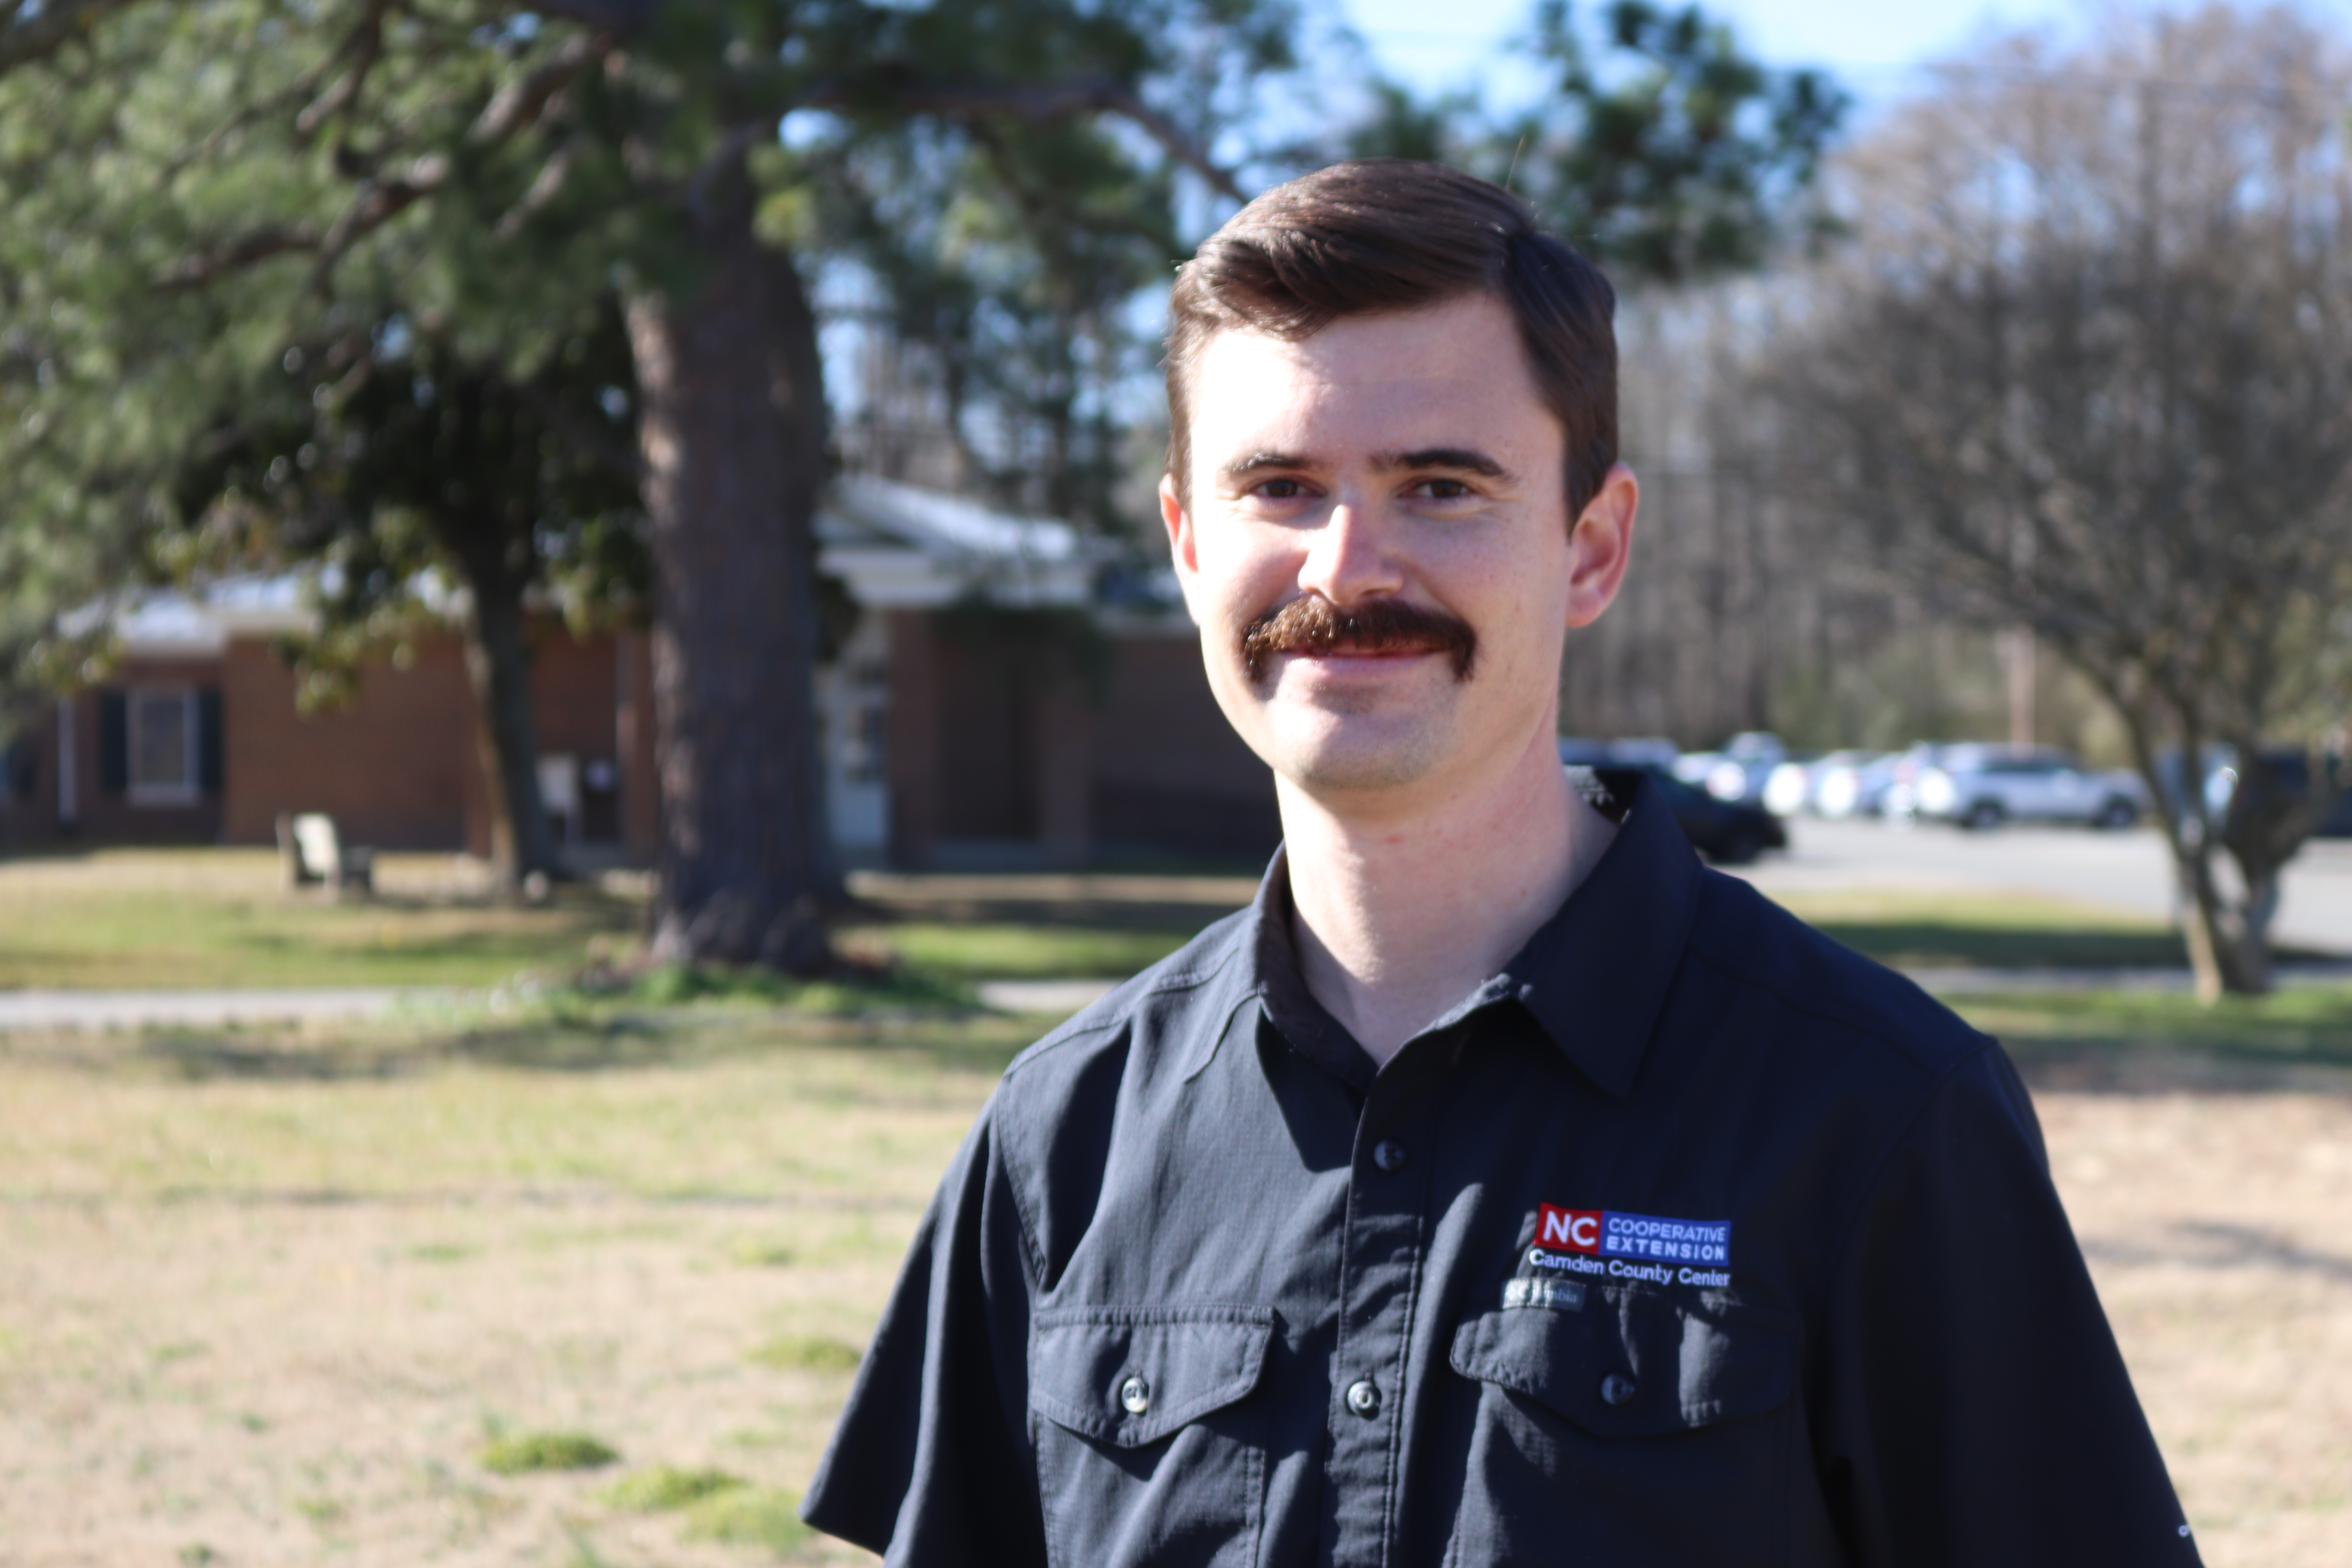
(1571, 1230)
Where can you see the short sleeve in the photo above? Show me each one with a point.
(1977, 1410)
(930, 1462)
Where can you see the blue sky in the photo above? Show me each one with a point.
(1871, 45)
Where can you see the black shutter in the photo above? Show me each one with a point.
(113, 741)
(208, 739)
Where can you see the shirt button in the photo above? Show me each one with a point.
(1616, 1388)
(1389, 1155)
(1363, 1398)
(1135, 1396)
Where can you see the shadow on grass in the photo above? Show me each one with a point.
(2166, 1042)
(2210, 1245)
(565, 1029)
(1959, 944)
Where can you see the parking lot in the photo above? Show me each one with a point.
(2127, 871)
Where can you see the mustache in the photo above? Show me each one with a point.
(1315, 625)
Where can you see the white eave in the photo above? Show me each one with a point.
(898, 546)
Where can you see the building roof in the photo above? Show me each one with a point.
(898, 546)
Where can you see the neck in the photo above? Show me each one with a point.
(1401, 913)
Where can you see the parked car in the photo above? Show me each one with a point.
(2290, 768)
(1727, 832)
(1899, 803)
(1635, 751)
(1849, 784)
(1983, 786)
(1739, 772)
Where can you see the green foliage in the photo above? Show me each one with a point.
(527, 1451)
(1025, 952)
(1663, 152)
(665, 1488)
(199, 196)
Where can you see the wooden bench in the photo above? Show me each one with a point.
(313, 853)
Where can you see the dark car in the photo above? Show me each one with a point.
(1727, 832)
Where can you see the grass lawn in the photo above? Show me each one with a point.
(220, 918)
(583, 1279)
(2303, 1027)
(1942, 931)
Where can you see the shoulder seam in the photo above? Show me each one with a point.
(1190, 977)
(1860, 1023)
(1868, 1186)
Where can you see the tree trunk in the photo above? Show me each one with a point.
(733, 432)
(2229, 949)
(506, 734)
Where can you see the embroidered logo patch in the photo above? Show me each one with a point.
(1639, 1245)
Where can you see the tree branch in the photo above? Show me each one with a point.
(621, 17)
(365, 45)
(1042, 101)
(58, 23)
(200, 267)
(518, 104)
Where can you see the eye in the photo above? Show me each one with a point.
(1440, 490)
(1281, 489)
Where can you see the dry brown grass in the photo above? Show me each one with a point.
(264, 1319)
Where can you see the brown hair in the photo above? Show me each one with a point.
(1388, 233)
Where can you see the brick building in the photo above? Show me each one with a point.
(986, 708)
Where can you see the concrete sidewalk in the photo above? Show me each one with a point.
(21, 1011)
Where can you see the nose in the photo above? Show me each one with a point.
(1350, 558)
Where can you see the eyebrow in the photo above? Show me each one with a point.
(1466, 459)
(1256, 462)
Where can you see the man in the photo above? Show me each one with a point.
(1502, 1186)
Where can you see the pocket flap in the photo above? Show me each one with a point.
(1130, 1375)
(1631, 1365)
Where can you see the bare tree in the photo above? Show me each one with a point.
(2087, 368)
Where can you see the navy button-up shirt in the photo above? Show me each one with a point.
(1691, 1238)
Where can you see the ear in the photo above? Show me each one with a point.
(1600, 546)
(1183, 549)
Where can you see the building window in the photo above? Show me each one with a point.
(163, 766)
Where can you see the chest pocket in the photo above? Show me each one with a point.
(1639, 1427)
(1149, 1447)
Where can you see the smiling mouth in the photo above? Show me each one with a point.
(1313, 627)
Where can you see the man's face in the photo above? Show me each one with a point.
(1378, 549)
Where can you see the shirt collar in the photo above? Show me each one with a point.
(1594, 977)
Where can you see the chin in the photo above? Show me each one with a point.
(1348, 764)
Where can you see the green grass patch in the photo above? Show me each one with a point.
(749, 1516)
(1929, 931)
(807, 1352)
(2307, 1026)
(891, 989)
(524, 1452)
(665, 1488)
(757, 1252)
(1031, 951)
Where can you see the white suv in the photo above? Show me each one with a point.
(1984, 786)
